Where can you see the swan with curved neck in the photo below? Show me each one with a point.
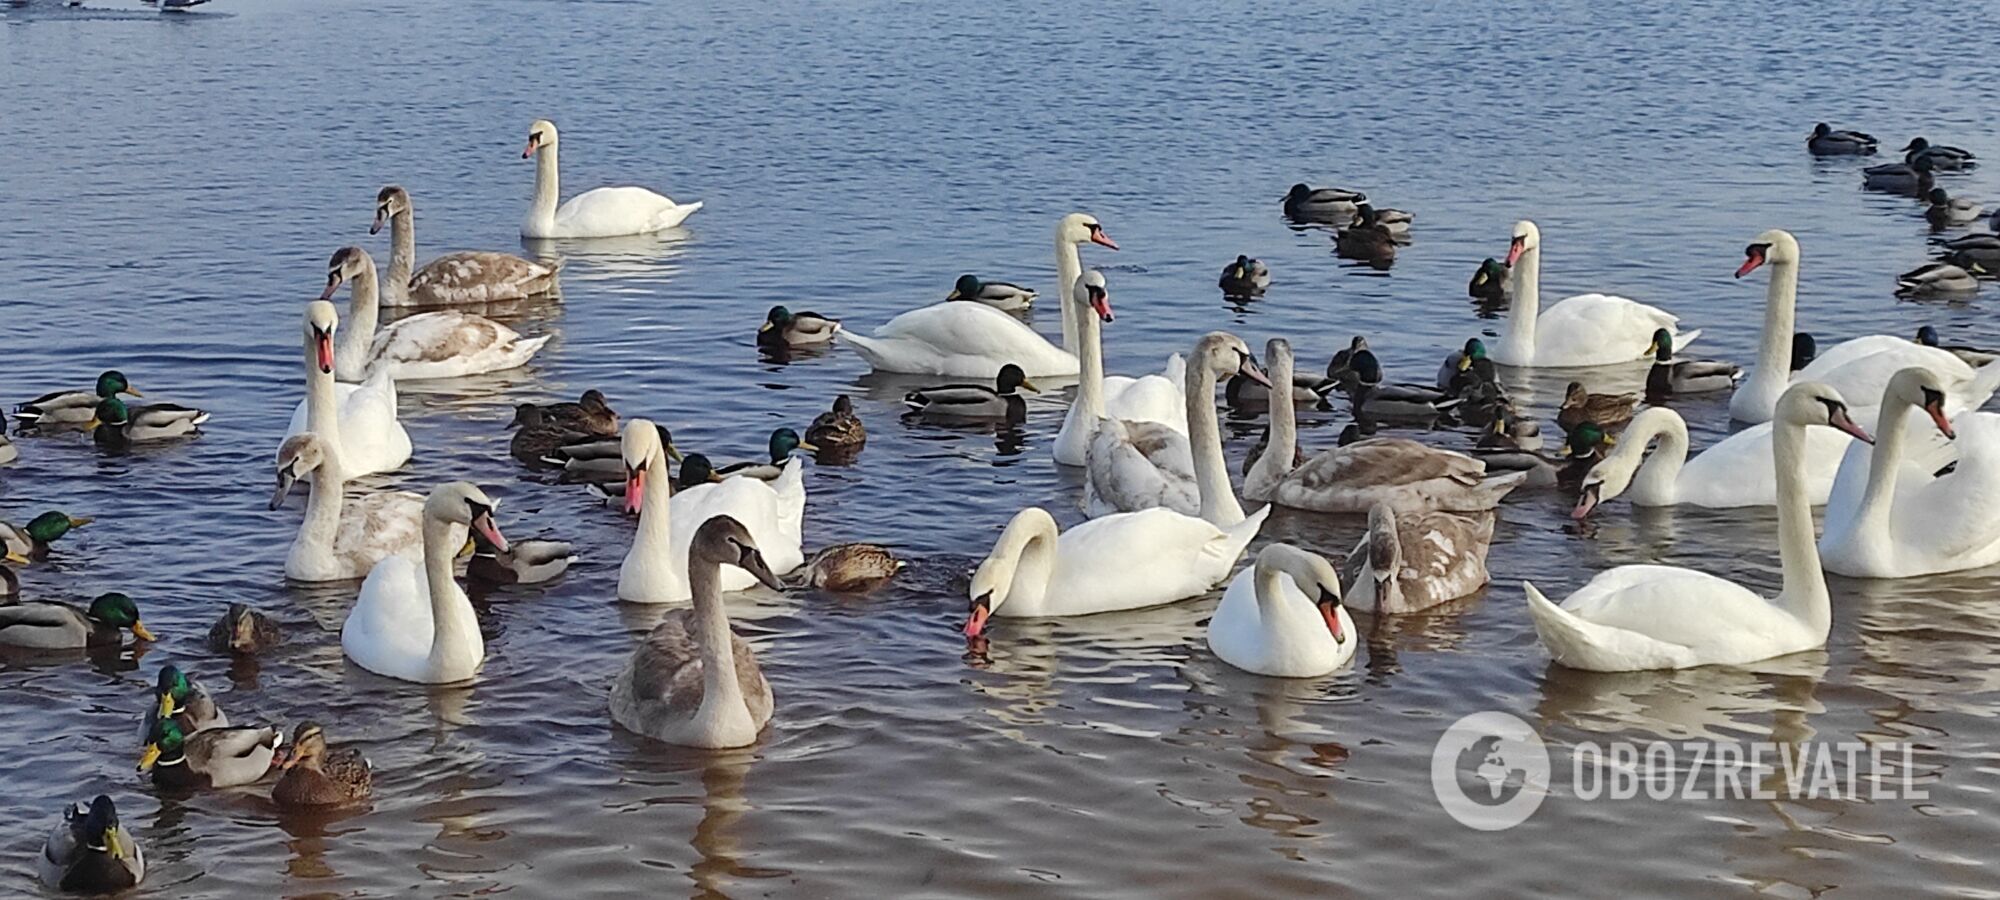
(655, 570)
(602, 212)
(1283, 617)
(1918, 523)
(1123, 561)
(1142, 465)
(1640, 617)
(692, 681)
(1859, 367)
(357, 422)
(1149, 398)
(1584, 330)
(1734, 472)
(469, 276)
(444, 344)
(418, 625)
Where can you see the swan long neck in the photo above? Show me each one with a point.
(548, 184)
(1089, 349)
(1211, 470)
(1657, 477)
(1028, 551)
(1283, 447)
(1526, 307)
(1774, 354)
(1877, 499)
(322, 520)
(455, 639)
(655, 518)
(1805, 594)
(402, 251)
(1069, 267)
(323, 414)
(364, 307)
(719, 688)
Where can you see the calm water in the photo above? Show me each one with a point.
(174, 186)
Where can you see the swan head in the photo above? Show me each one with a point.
(1526, 237)
(463, 503)
(541, 134)
(641, 442)
(723, 540)
(1612, 474)
(1226, 354)
(1011, 380)
(1921, 388)
(389, 201)
(322, 321)
(299, 456)
(1814, 403)
(1314, 576)
(993, 581)
(346, 264)
(1090, 287)
(1082, 228)
(1278, 363)
(1776, 247)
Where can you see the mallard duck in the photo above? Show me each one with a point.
(1670, 376)
(590, 414)
(177, 697)
(1466, 368)
(973, 401)
(1583, 449)
(316, 777)
(1945, 210)
(600, 461)
(72, 407)
(33, 540)
(838, 432)
(1607, 410)
(1372, 399)
(1804, 350)
(1945, 159)
(115, 425)
(537, 435)
(1934, 279)
(1325, 205)
(1489, 282)
(784, 328)
(1973, 356)
(88, 853)
(784, 442)
(997, 294)
(243, 631)
(523, 562)
(1824, 141)
(1509, 430)
(1245, 277)
(1982, 250)
(1911, 179)
(852, 568)
(1412, 562)
(212, 758)
(695, 471)
(1366, 240)
(1395, 221)
(59, 626)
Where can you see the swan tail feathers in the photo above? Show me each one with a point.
(871, 349)
(1493, 489)
(1581, 644)
(1176, 369)
(1985, 381)
(1680, 341)
(1237, 537)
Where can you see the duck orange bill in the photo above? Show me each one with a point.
(976, 623)
(1752, 258)
(1514, 250)
(635, 491)
(1330, 611)
(484, 525)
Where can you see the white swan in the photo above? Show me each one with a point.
(415, 624)
(1733, 472)
(1283, 617)
(468, 276)
(1633, 618)
(1584, 330)
(1140, 465)
(656, 568)
(692, 681)
(341, 539)
(1910, 523)
(1411, 477)
(1126, 561)
(357, 421)
(1859, 368)
(602, 212)
(973, 340)
(1158, 398)
(444, 344)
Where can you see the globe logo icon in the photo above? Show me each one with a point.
(1490, 771)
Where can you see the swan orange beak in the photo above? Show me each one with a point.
(325, 353)
(982, 609)
(1098, 237)
(487, 529)
(635, 490)
(533, 144)
(1840, 420)
(1943, 424)
(1752, 258)
(1101, 302)
(1329, 609)
(1514, 250)
(1586, 501)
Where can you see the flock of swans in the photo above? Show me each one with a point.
(1165, 520)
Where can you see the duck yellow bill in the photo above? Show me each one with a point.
(763, 328)
(114, 843)
(92, 424)
(808, 446)
(129, 389)
(673, 452)
(16, 558)
(954, 295)
(139, 629)
(1464, 362)
(468, 549)
(75, 522)
(1029, 385)
(166, 708)
(148, 758)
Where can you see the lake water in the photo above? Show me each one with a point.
(175, 184)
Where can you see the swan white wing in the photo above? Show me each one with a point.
(477, 277)
(1643, 607)
(1134, 560)
(389, 630)
(747, 500)
(1864, 372)
(1149, 398)
(1950, 519)
(1741, 470)
(613, 211)
(1600, 329)
(1134, 466)
(961, 340)
(449, 344)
